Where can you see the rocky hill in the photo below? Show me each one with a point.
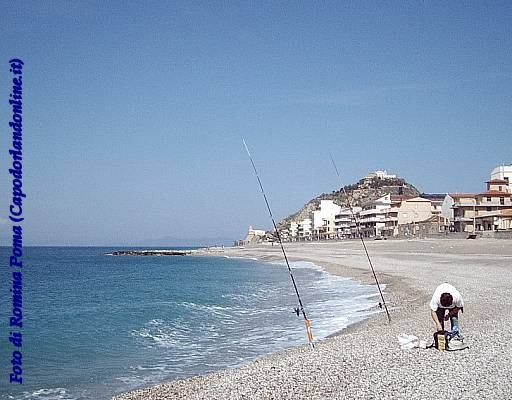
(360, 193)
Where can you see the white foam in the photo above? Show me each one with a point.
(240, 258)
(211, 336)
(298, 265)
(47, 394)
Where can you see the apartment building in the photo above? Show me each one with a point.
(304, 229)
(345, 222)
(487, 211)
(494, 206)
(460, 209)
(372, 217)
(324, 219)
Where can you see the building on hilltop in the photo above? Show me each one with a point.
(380, 175)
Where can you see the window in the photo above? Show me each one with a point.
(502, 201)
(489, 208)
(489, 199)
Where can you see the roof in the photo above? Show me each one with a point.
(419, 200)
(498, 181)
(433, 196)
(459, 195)
(397, 197)
(495, 193)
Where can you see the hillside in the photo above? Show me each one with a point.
(360, 193)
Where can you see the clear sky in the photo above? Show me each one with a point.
(134, 111)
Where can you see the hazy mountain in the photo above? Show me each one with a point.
(173, 242)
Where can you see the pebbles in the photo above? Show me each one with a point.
(366, 361)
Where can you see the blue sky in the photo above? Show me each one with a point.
(134, 112)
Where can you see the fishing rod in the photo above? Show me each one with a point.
(299, 309)
(360, 234)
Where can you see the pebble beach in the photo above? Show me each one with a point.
(365, 361)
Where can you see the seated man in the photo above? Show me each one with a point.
(446, 297)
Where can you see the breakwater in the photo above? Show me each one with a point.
(150, 253)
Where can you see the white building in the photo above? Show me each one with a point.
(373, 216)
(304, 229)
(294, 230)
(381, 175)
(503, 172)
(255, 232)
(323, 219)
(345, 223)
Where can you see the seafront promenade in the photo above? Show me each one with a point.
(365, 361)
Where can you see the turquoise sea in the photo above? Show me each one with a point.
(97, 325)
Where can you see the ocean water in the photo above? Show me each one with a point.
(97, 325)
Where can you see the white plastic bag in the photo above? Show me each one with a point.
(408, 342)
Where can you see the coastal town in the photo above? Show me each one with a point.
(465, 215)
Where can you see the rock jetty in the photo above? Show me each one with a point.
(150, 253)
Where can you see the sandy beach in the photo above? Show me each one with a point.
(365, 361)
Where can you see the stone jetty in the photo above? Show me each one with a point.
(150, 253)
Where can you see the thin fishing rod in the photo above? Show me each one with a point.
(359, 233)
(301, 307)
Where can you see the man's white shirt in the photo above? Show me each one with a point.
(435, 303)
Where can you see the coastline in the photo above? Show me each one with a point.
(410, 270)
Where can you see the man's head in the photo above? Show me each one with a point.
(446, 299)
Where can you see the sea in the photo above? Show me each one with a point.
(96, 325)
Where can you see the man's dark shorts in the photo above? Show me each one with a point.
(441, 313)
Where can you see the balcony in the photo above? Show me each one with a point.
(463, 219)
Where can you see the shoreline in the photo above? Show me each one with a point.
(329, 268)
(329, 271)
(393, 284)
(410, 270)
